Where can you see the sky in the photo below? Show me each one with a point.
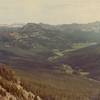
(49, 11)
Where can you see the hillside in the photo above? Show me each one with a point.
(86, 59)
(56, 62)
(28, 86)
(61, 86)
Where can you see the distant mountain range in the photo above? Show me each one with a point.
(47, 36)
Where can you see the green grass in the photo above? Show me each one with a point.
(75, 46)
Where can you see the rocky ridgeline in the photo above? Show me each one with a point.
(10, 87)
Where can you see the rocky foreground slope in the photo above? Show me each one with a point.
(10, 86)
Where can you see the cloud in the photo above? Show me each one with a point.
(49, 11)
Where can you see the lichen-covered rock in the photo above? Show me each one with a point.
(31, 96)
(37, 98)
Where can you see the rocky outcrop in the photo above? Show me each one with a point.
(10, 87)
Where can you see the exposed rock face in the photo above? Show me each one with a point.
(11, 89)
